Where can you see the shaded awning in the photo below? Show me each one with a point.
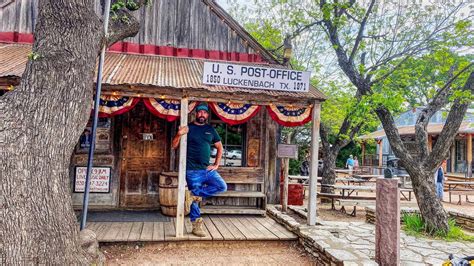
(149, 70)
(433, 129)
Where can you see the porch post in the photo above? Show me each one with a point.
(380, 142)
(469, 155)
(313, 176)
(430, 143)
(182, 170)
(363, 154)
(453, 157)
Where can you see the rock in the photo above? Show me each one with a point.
(341, 254)
(89, 243)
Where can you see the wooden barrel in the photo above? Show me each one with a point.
(168, 191)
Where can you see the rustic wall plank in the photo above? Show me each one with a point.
(178, 23)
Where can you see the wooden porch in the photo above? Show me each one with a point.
(217, 227)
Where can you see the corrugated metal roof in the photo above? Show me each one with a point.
(433, 129)
(159, 71)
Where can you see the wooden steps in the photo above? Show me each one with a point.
(241, 194)
(230, 210)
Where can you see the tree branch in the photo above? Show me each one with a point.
(122, 23)
(451, 126)
(361, 31)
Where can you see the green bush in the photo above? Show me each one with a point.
(414, 225)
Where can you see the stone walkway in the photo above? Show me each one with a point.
(413, 250)
(353, 243)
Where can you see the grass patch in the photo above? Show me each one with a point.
(415, 226)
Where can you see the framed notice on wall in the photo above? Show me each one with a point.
(99, 182)
(287, 151)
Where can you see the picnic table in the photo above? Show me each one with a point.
(348, 180)
(352, 189)
(367, 177)
(460, 188)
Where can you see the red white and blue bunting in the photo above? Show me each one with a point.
(290, 116)
(166, 109)
(111, 105)
(234, 113)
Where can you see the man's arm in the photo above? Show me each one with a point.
(182, 131)
(220, 149)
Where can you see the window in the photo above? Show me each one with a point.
(102, 141)
(233, 139)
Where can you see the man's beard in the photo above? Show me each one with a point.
(200, 120)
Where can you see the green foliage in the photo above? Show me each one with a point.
(414, 225)
(417, 80)
(34, 56)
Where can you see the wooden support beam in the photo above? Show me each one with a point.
(286, 170)
(362, 163)
(313, 177)
(182, 170)
(453, 157)
(430, 143)
(381, 153)
(469, 155)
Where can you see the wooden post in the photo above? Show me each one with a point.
(286, 170)
(430, 143)
(453, 157)
(469, 155)
(313, 176)
(380, 142)
(182, 170)
(362, 163)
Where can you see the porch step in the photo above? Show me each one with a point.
(230, 210)
(241, 194)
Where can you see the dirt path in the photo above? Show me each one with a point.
(209, 253)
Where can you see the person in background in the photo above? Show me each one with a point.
(439, 180)
(356, 163)
(350, 163)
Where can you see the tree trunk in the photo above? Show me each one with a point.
(328, 172)
(41, 121)
(431, 209)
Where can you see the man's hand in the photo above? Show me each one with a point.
(212, 167)
(183, 130)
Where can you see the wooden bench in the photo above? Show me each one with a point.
(461, 192)
(406, 190)
(244, 193)
(334, 197)
(354, 203)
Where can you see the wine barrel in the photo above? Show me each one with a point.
(168, 192)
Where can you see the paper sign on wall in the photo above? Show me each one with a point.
(99, 182)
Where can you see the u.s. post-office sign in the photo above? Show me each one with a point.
(255, 77)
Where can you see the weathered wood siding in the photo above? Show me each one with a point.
(178, 23)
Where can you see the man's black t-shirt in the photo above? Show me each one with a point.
(200, 139)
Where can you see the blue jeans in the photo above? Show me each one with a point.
(439, 190)
(203, 183)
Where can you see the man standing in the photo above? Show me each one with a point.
(201, 177)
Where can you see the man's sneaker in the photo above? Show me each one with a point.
(197, 228)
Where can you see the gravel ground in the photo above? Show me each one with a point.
(208, 253)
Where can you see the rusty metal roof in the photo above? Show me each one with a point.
(433, 129)
(149, 70)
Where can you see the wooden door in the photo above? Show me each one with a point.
(142, 159)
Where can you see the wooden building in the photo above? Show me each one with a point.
(145, 80)
(460, 154)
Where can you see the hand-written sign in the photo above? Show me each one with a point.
(255, 77)
(287, 151)
(99, 181)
